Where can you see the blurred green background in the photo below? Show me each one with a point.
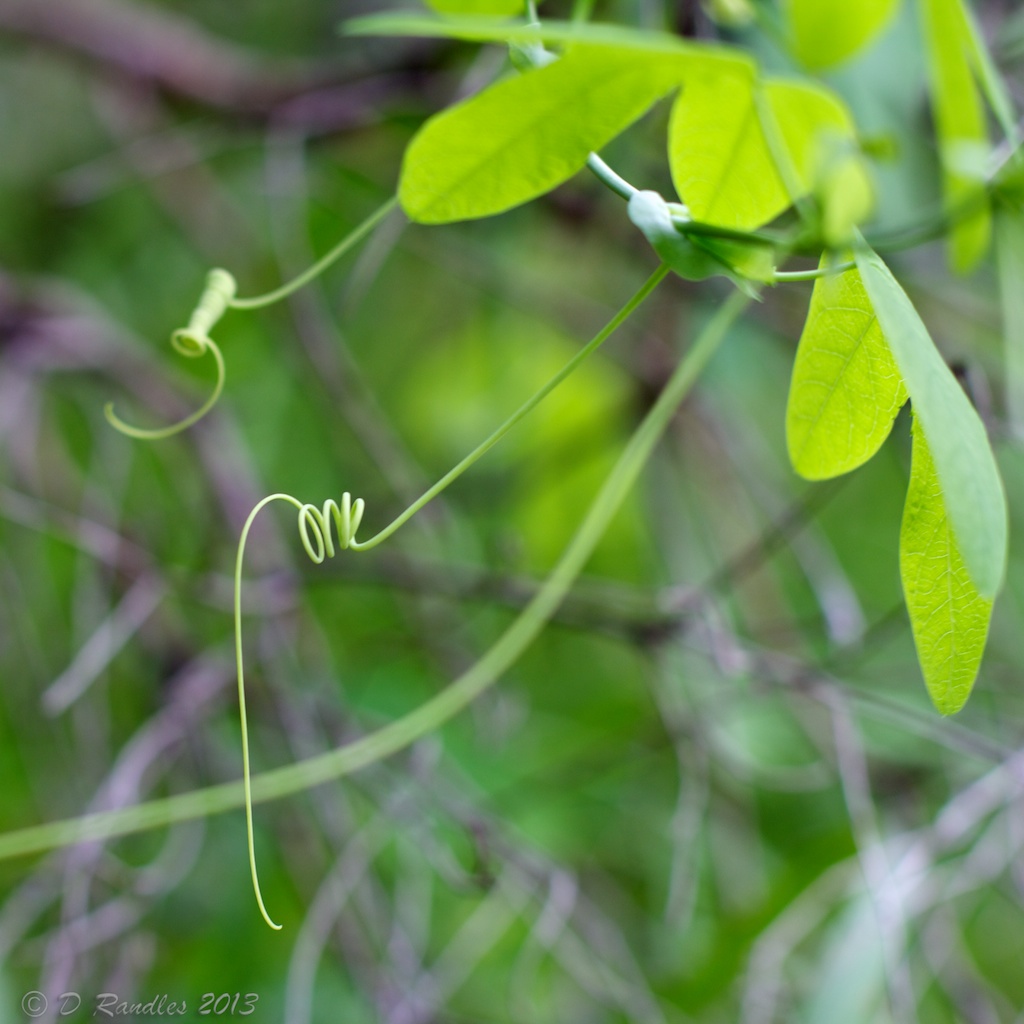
(713, 790)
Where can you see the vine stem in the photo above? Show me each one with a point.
(610, 178)
(449, 702)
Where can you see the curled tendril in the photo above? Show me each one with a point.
(220, 295)
(192, 342)
(323, 531)
(346, 521)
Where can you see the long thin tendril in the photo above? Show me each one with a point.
(218, 297)
(431, 715)
(351, 239)
(319, 539)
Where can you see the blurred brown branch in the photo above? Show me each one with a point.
(153, 44)
(159, 48)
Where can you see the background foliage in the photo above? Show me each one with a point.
(714, 789)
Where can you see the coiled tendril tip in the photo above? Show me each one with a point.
(192, 342)
(346, 518)
(219, 295)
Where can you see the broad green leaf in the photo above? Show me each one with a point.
(720, 162)
(960, 122)
(1010, 259)
(471, 7)
(525, 135)
(846, 389)
(965, 466)
(723, 165)
(948, 614)
(824, 33)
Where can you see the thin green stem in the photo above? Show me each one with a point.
(812, 275)
(608, 177)
(934, 226)
(436, 712)
(259, 301)
(702, 229)
(485, 446)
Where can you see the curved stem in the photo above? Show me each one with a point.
(243, 720)
(450, 701)
(259, 301)
(608, 177)
(208, 345)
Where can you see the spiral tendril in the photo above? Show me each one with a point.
(192, 342)
(346, 521)
(323, 532)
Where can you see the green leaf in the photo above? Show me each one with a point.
(948, 614)
(525, 135)
(960, 122)
(824, 33)
(846, 389)
(965, 466)
(813, 122)
(476, 7)
(722, 164)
